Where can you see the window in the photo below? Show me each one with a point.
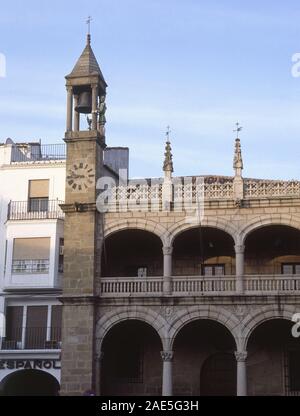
(33, 327)
(61, 256)
(14, 322)
(135, 270)
(213, 270)
(38, 195)
(142, 271)
(31, 255)
(290, 268)
(36, 327)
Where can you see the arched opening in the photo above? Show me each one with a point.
(132, 363)
(203, 360)
(273, 363)
(203, 251)
(218, 375)
(29, 383)
(138, 253)
(273, 249)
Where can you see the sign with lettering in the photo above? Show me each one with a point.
(30, 365)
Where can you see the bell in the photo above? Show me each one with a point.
(84, 103)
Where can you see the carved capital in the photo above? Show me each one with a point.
(239, 249)
(167, 251)
(241, 356)
(167, 355)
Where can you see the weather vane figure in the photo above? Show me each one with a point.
(168, 133)
(88, 22)
(238, 129)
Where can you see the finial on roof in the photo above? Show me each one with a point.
(238, 183)
(238, 129)
(238, 160)
(88, 22)
(168, 162)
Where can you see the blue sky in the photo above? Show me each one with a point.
(198, 66)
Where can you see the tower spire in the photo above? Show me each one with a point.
(168, 162)
(238, 160)
(238, 185)
(167, 187)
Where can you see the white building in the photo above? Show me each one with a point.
(32, 186)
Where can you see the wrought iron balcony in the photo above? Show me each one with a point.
(41, 338)
(38, 209)
(36, 152)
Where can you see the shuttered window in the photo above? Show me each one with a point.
(31, 255)
(36, 327)
(39, 188)
(31, 248)
(38, 195)
(14, 320)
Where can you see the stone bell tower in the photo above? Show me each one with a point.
(86, 89)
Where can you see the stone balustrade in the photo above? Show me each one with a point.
(193, 190)
(200, 285)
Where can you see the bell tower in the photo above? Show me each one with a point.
(86, 89)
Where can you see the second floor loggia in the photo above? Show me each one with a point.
(202, 260)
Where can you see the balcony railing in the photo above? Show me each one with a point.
(200, 285)
(35, 152)
(40, 266)
(41, 338)
(39, 210)
(189, 193)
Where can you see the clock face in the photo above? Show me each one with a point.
(80, 177)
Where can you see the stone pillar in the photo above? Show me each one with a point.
(99, 361)
(167, 377)
(167, 286)
(239, 267)
(69, 108)
(241, 379)
(94, 106)
(76, 115)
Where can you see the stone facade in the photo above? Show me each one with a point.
(199, 327)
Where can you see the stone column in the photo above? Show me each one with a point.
(94, 106)
(69, 108)
(167, 377)
(239, 267)
(241, 379)
(99, 361)
(167, 286)
(76, 115)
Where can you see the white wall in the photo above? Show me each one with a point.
(14, 180)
